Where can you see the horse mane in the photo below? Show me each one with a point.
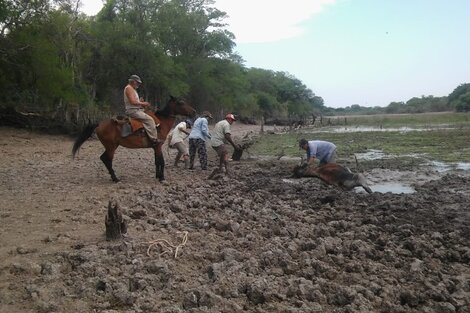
(166, 110)
(163, 112)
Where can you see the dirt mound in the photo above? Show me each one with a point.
(255, 242)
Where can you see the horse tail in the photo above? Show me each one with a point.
(84, 135)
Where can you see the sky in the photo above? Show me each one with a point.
(366, 52)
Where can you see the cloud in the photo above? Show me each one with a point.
(255, 21)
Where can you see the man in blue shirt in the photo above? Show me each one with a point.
(197, 140)
(324, 151)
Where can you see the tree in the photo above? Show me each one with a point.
(262, 87)
(15, 50)
(460, 98)
(301, 101)
(174, 45)
(394, 107)
(19, 13)
(191, 29)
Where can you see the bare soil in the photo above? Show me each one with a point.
(255, 243)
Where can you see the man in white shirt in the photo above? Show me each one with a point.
(220, 136)
(177, 137)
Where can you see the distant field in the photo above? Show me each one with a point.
(403, 120)
(449, 144)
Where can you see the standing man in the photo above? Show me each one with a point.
(178, 135)
(317, 149)
(220, 137)
(197, 140)
(135, 108)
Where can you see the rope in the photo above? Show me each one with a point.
(167, 246)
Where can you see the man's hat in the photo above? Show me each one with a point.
(230, 116)
(207, 114)
(136, 78)
(189, 123)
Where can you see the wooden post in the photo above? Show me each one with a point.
(115, 224)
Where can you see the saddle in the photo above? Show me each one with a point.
(130, 126)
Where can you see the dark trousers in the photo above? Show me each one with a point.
(198, 145)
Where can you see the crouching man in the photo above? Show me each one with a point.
(324, 151)
(177, 137)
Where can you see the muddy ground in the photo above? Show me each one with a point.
(256, 242)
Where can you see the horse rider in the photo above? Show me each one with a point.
(135, 108)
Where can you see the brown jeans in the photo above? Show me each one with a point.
(221, 150)
(147, 120)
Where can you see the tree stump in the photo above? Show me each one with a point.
(247, 141)
(115, 224)
(237, 154)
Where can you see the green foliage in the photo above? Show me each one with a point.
(41, 68)
(414, 105)
(463, 103)
(56, 60)
(282, 95)
(15, 14)
(426, 104)
(460, 98)
(191, 28)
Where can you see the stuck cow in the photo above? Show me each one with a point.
(333, 174)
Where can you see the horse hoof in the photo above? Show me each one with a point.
(116, 180)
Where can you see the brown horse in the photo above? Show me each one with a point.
(109, 133)
(333, 174)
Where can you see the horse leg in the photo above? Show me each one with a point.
(363, 182)
(159, 164)
(107, 158)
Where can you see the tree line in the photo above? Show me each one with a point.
(60, 63)
(414, 105)
(458, 100)
(69, 68)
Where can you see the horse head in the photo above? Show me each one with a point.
(177, 106)
(299, 170)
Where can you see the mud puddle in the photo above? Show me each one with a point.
(392, 187)
(438, 166)
(443, 167)
(335, 129)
